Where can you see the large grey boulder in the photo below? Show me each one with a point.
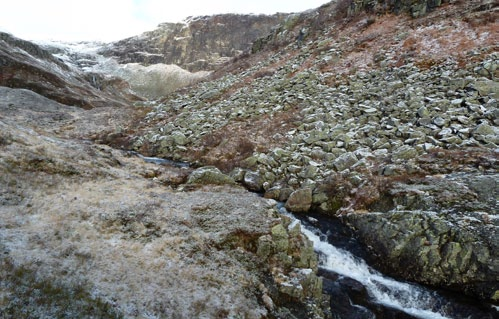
(300, 200)
(253, 181)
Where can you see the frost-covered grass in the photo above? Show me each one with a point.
(119, 242)
(145, 248)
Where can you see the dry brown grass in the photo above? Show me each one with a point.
(443, 160)
(450, 31)
(227, 147)
(341, 8)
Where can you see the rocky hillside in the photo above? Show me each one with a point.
(359, 114)
(87, 232)
(197, 44)
(379, 115)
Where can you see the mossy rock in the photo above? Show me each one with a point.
(209, 175)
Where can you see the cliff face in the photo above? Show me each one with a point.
(26, 65)
(200, 43)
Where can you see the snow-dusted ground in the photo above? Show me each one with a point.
(153, 81)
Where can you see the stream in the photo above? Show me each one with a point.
(159, 161)
(359, 291)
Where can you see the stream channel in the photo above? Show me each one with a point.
(357, 290)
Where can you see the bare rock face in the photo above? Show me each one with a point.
(28, 66)
(200, 43)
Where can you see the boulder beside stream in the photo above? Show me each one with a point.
(449, 249)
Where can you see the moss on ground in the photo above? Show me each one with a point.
(25, 295)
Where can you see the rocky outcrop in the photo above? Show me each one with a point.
(199, 43)
(293, 264)
(446, 225)
(26, 65)
(449, 249)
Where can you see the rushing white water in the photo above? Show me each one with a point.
(409, 298)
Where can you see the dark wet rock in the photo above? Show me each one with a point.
(341, 305)
(347, 296)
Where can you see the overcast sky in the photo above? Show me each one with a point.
(109, 20)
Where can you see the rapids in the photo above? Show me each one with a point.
(385, 295)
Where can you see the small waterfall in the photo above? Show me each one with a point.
(409, 298)
(412, 299)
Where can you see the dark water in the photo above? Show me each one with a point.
(160, 161)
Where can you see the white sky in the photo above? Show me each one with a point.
(109, 20)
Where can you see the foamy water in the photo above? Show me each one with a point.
(410, 298)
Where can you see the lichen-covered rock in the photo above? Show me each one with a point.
(345, 161)
(280, 238)
(300, 200)
(299, 284)
(293, 265)
(209, 175)
(453, 250)
(253, 181)
(404, 153)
